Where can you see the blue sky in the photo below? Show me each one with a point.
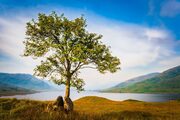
(149, 12)
(144, 34)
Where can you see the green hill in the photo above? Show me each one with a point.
(130, 82)
(25, 81)
(11, 84)
(166, 82)
(6, 89)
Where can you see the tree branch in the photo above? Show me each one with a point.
(88, 67)
(78, 66)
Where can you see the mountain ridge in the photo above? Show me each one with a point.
(132, 81)
(20, 82)
(166, 82)
(138, 79)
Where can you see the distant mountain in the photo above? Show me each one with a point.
(131, 82)
(6, 89)
(24, 81)
(166, 82)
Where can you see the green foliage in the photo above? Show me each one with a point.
(67, 47)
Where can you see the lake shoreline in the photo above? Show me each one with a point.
(142, 92)
(52, 95)
(21, 93)
(13, 94)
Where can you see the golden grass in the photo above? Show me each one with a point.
(91, 108)
(97, 105)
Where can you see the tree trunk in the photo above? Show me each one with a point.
(67, 92)
(68, 104)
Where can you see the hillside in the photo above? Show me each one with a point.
(131, 81)
(6, 89)
(90, 108)
(166, 82)
(13, 83)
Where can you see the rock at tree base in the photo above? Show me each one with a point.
(58, 105)
(68, 104)
(59, 101)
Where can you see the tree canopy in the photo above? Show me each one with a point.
(66, 47)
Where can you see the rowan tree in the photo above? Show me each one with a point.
(66, 47)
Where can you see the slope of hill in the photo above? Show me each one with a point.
(131, 82)
(24, 81)
(166, 82)
(6, 89)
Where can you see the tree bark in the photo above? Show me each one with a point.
(68, 104)
(67, 92)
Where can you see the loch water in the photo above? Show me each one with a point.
(52, 95)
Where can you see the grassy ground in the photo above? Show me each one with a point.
(90, 108)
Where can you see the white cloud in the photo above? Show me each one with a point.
(135, 45)
(141, 49)
(11, 44)
(170, 8)
(170, 62)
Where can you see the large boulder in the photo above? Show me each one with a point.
(59, 101)
(58, 105)
(68, 104)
